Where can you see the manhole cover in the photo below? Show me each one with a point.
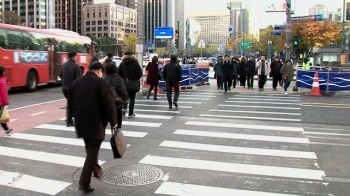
(131, 175)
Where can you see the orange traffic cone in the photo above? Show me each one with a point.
(315, 91)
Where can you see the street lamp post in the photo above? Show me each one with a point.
(344, 37)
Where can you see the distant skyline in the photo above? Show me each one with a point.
(259, 18)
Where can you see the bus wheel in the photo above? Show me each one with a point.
(32, 81)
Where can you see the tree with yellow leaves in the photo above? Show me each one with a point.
(212, 49)
(130, 41)
(313, 34)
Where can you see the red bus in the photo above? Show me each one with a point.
(35, 56)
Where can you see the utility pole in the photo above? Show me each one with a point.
(232, 37)
(288, 28)
(343, 40)
(241, 29)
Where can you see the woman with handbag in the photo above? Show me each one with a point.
(287, 72)
(4, 101)
(116, 84)
(153, 77)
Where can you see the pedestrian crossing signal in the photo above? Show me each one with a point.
(296, 41)
(176, 33)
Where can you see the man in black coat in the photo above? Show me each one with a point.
(172, 75)
(70, 71)
(276, 66)
(130, 70)
(92, 105)
(251, 72)
(227, 69)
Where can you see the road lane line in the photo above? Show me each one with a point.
(251, 118)
(239, 150)
(245, 126)
(261, 102)
(261, 170)
(182, 189)
(72, 129)
(264, 138)
(255, 106)
(255, 112)
(162, 106)
(36, 114)
(31, 183)
(55, 158)
(263, 99)
(28, 106)
(158, 101)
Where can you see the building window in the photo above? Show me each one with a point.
(99, 22)
(93, 15)
(106, 14)
(105, 34)
(105, 28)
(88, 15)
(105, 22)
(93, 22)
(99, 14)
(87, 22)
(93, 28)
(87, 28)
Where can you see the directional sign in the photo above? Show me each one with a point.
(230, 29)
(245, 45)
(230, 45)
(149, 43)
(276, 33)
(278, 27)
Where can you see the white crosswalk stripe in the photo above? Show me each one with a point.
(259, 106)
(216, 160)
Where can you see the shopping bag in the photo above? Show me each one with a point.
(5, 118)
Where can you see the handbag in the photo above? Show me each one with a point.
(118, 99)
(132, 85)
(284, 77)
(5, 117)
(118, 143)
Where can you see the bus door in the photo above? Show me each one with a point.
(53, 63)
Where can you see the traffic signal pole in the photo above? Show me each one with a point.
(288, 29)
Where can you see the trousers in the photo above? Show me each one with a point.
(169, 86)
(92, 147)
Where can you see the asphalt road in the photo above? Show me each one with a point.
(240, 143)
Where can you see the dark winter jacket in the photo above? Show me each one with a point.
(218, 68)
(172, 73)
(227, 68)
(276, 67)
(234, 68)
(116, 82)
(153, 74)
(250, 67)
(70, 71)
(130, 68)
(241, 68)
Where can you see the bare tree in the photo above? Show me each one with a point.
(11, 17)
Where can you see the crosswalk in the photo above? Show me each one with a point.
(198, 157)
(259, 106)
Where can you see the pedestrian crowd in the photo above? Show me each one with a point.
(231, 72)
(103, 96)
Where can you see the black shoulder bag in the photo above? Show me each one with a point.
(132, 85)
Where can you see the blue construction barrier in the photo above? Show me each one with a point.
(335, 80)
(191, 76)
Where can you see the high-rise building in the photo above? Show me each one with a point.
(139, 6)
(318, 9)
(33, 13)
(213, 25)
(164, 13)
(193, 29)
(239, 18)
(109, 19)
(69, 14)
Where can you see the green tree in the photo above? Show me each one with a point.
(130, 41)
(264, 38)
(11, 17)
(212, 49)
(107, 44)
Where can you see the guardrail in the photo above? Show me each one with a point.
(331, 78)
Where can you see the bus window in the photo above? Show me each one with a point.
(15, 40)
(3, 38)
(41, 40)
(70, 45)
(81, 48)
(30, 42)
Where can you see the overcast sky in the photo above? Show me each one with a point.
(259, 18)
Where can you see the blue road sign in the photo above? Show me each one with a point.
(230, 29)
(276, 33)
(278, 27)
(149, 43)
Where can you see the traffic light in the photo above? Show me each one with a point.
(296, 41)
(177, 43)
(176, 33)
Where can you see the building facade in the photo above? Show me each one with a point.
(33, 13)
(319, 9)
(213, 25)
(164, 13)
(193, 30)
(139, 6)
(109, 19)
